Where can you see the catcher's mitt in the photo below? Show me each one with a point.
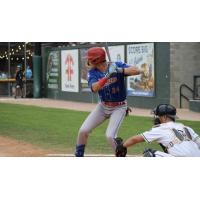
(120, 150)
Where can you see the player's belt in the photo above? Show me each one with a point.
(114, 104)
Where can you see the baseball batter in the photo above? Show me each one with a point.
(175, 138)
(108, 79)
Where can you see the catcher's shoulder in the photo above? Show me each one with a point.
(156, 126)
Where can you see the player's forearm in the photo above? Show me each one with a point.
(100, 84)
(95, 87)
(130, 71)
(133, 140)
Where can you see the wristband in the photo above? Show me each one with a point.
(102, 81)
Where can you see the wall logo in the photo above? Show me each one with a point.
(69, 62)
(70, 70)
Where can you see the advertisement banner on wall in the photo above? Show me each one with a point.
(69, 71)
(141, 56)
(116, 53)
(53, 69)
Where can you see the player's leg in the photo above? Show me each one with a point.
(95, 118)
(162, 154)
(21, 90)
(115, 121)
(154, 153)
(17, 90)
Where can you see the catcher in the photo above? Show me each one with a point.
(175, 138)
(108, 80)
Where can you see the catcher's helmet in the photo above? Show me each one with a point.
(96, 55)
(165, 109)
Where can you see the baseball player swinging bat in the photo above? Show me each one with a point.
(106, 79)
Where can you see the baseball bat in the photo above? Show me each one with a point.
(107, 51)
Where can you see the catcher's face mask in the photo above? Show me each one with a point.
(156, 120)
(163, 110)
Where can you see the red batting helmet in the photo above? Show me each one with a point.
(96, 55)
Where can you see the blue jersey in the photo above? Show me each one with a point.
(114, 90)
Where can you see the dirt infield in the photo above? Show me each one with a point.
(12, 147)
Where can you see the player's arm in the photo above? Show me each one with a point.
(133, 140)
(132, 70)
(99, 84)
(121, 147)
(127, 70)
(95, 83)
(148, 136)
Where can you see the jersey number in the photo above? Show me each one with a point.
(182, 135)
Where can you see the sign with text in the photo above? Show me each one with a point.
(141, 56)
(53, 69)
(70, 70)
(116, 53)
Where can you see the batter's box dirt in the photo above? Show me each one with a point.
(14, 148)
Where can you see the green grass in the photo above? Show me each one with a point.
(57, 129)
